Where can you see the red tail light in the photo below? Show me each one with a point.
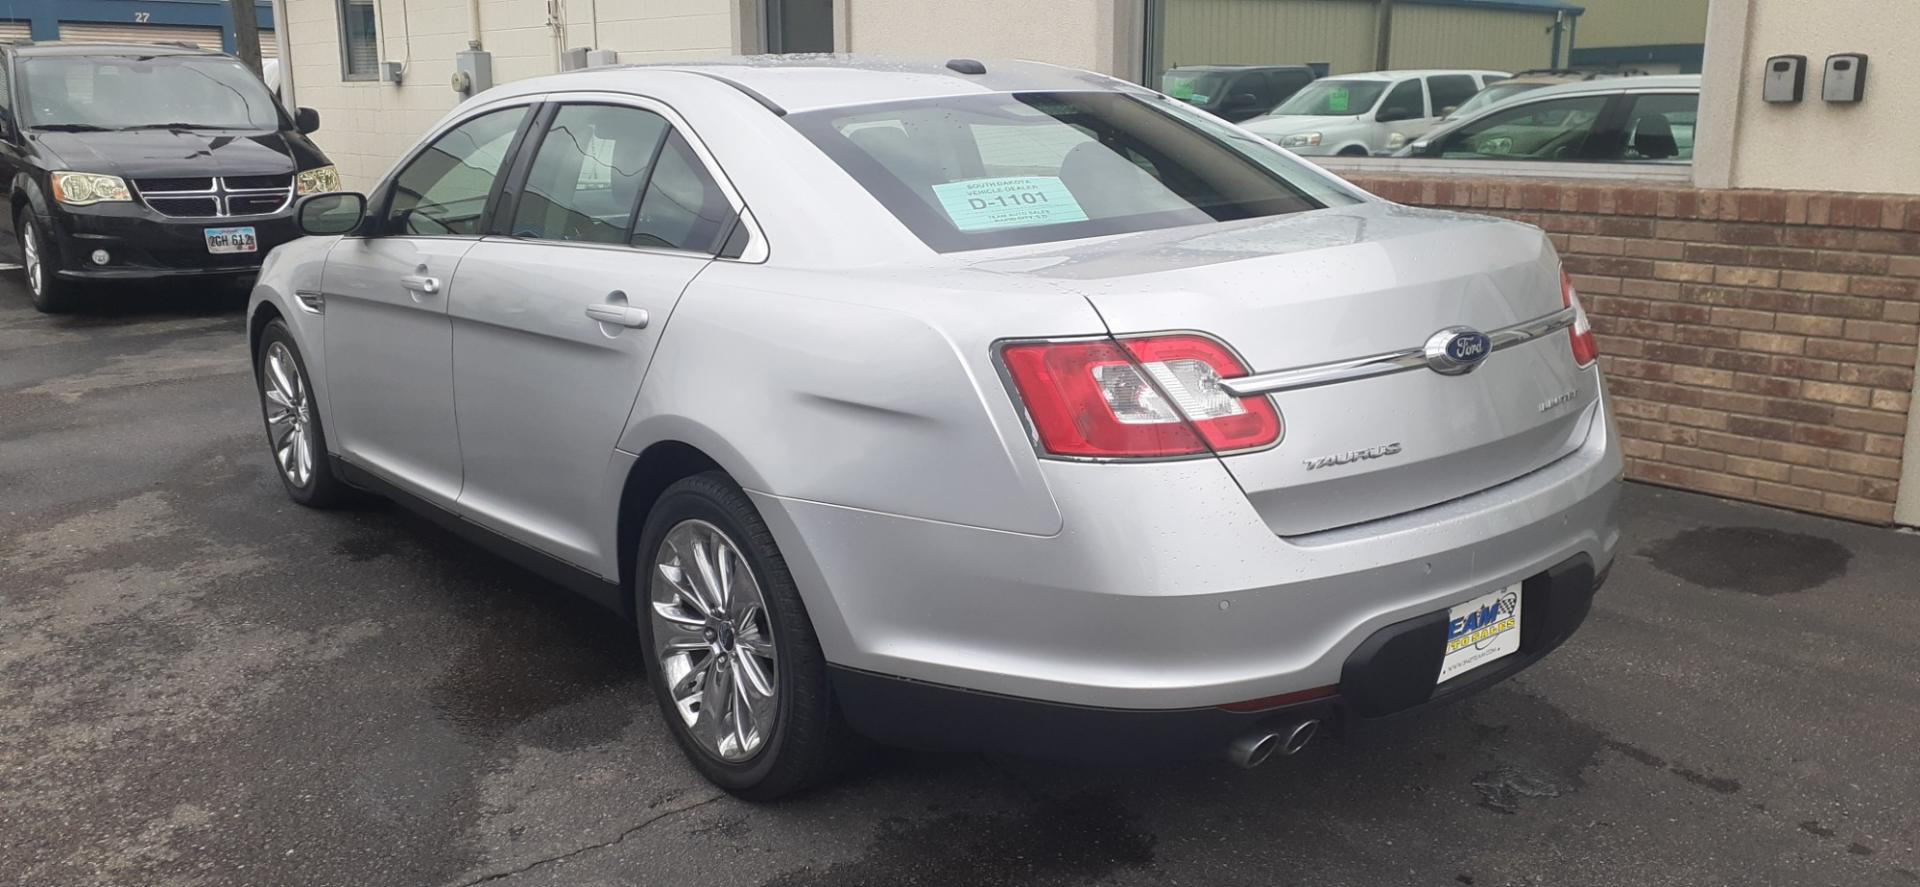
(1137, 398)
(1585, 349)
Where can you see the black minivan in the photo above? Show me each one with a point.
(133, 162)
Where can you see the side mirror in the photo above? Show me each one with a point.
(306, 120)
(1242, 101)
(338, 212)
(1449, 110)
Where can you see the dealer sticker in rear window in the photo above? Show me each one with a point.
(1482, 630)
(1010, 202)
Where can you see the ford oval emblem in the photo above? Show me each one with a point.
(1457, 350)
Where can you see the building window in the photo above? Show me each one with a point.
(359, 51)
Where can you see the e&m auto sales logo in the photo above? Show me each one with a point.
(1480, 627)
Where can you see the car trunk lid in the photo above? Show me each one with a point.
(1322, 287)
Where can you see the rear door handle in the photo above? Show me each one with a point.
(619, 315)
(421, 283)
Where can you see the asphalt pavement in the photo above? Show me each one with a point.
(203, 684)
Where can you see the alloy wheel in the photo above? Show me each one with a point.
(289, 416)
(30, 253)
(713, 636)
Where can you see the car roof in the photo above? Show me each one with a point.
(1239, 68)
(799, 83)
(1411, 72)
(1608, 85)
(57, 47)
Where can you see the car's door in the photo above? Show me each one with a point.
(12, 158)
(1567, 128)
(389, 345)
(555, 318)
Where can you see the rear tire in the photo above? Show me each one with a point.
(40, 259)
(719, 641)
(296, 439)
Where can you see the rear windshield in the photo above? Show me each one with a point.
(1493, 94)
(114, 92)
(1333, 98)
(971, 172)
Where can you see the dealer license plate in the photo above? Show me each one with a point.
(232, 240)
(1482, 630)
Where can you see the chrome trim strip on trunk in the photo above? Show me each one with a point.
(1385, 364)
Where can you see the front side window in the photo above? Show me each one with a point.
(1553, 129)
(1450, 91)
(1403, 103)
(1330, 98)
(444, 190)
(119, 92)
(970, 172)
(359, 52)
(1661, 126)
(587, 174)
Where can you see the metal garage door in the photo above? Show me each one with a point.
(10, 31)
(120, 32)
(269, 47)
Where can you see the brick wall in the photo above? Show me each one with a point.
(1758, 344)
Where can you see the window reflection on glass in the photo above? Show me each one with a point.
(1545, 130)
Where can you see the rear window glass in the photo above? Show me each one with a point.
(972, 172)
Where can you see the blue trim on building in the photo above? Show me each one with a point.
(46, 15)
(1521, 5)
(1688, 56)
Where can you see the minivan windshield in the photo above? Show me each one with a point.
(117, 92)
(1494, 93)
(1198, 87)
(970, 172)
(1332, 98)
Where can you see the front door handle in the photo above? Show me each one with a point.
(619, 315)
(421, 284)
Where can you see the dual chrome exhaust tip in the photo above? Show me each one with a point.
(1254, 749)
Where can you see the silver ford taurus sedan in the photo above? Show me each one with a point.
(961, 406)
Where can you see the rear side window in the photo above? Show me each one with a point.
(444, 189)
(1660, 126)
(683, 207)
(587, 175)
(971, 172)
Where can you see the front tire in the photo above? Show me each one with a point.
(40, 261)
(295, 437)
(734, 662)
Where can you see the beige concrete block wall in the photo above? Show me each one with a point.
(1066, 32)
(367, 125)
(1813, 145)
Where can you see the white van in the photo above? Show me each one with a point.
(1363, 114)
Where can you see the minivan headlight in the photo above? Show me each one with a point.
(318, 180)
(86, 188)
(1301, 140)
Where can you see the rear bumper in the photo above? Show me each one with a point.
(1165, 589)
(1392, 673)
(142, 244)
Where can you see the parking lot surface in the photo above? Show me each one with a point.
(204, 684)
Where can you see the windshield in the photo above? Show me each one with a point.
(1493, 94)
(112, 92)
(1332, 98)
(1198, 87)
(969, 172)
